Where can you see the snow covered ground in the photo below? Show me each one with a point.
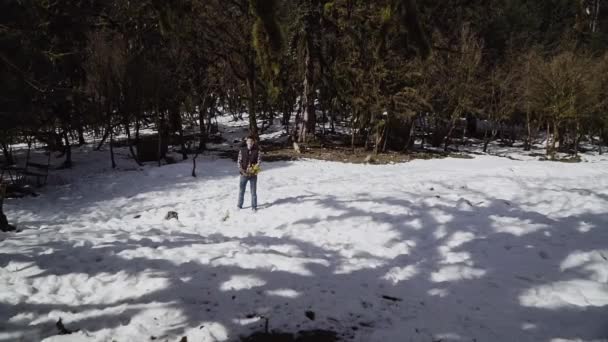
(487, 249)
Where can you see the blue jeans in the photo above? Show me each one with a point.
(253, 183)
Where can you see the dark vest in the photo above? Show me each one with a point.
(249, 157)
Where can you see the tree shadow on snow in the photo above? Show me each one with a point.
(439, 276)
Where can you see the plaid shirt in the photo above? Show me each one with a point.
(240, 158)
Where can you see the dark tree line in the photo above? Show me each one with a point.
(393, 71)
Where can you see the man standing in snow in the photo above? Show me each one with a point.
(248, 161)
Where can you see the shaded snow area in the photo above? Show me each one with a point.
(487, 249)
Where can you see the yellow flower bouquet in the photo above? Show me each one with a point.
(254, 169)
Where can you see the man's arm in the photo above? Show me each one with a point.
(239, 160)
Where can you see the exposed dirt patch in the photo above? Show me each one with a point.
(335, 149)
(302, 336)
(358, 156)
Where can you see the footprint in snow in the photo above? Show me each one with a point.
(543, 255)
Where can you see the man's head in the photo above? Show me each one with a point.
(250, 142)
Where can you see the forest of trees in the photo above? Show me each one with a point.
(395, 71)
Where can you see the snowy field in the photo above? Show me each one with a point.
(488, 249)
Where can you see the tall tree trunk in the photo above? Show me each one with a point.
(548, 138)
(202, 131)
(4, 226)
(298, 120)
(556, 138)
(368, 130)
(595, 16)
(387, 136)
(323, 120)
(486, 140)
(137, 127)
(387, 131)
(194, 163)
(202, 112)
(600, 140)
(308, 123)
(378, 139)
(490, 138)
(253, 123)
(352, 140)
(210, 108)
(438, 134)
(182, 142)
(8, 156)
(264, 116)
(380, 132)
(133, 154)
(332, 122)
(68, 150)
(160, 129)
(528, 142)
(576, 138)
(448, 136)
(463, 141)
(562, 135)
(111, 132)
(286, 118)
(410, 141)
(106, 134)
(81, 139)
(176, 123)
(512, 136)
(29, 148)
(112, 148)
(423, 124)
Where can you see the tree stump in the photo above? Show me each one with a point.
(171, 215)
(147, 148)
(4, 226)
